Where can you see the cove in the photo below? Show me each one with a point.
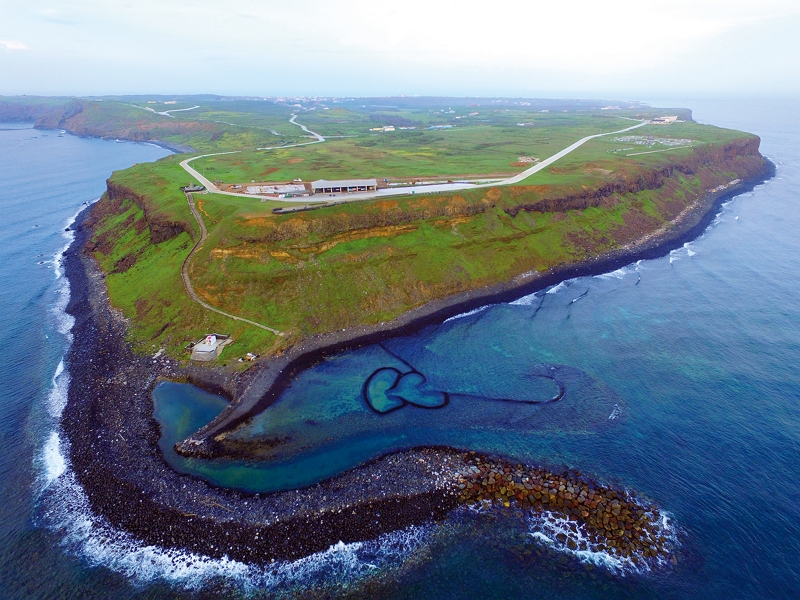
(456, 384)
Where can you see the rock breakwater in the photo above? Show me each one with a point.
(608, 520)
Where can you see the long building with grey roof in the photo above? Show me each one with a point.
(325, 186)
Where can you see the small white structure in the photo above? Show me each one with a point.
(275, 189)
(664, 120)
(210, 347)
(345, 186)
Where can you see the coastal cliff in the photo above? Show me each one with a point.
(644, 239)
(623, 216)
(114, 445)
(741, 155)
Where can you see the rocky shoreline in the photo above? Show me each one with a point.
(113, 440)
(265, 382)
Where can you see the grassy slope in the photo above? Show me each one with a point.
(368, 262)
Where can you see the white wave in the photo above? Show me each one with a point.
(63, 321)
(69, 236)
(545, 527)
(689, 250)
(92, 538)
(561, 286)
(525, 300)
(53, 463)
(618, 274)
(467, 314)
(57, 398)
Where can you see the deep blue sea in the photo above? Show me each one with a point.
(698, 350)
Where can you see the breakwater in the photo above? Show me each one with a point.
(610, 520)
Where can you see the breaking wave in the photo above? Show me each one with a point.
(570, 537)
(468, 313)
(525, 300)
(618, 274)
(65, 509)
(91, 537)
(561, 286)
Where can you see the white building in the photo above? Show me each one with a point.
(345, 186)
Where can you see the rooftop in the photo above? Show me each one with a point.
(326, 183)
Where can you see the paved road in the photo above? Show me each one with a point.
(549, 161)
(185, 272)
(213, 188)
(399, 191)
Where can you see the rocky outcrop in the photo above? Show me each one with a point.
(605, 519)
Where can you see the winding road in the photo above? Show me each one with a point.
(400, 191)
(344, 198)
(188, 283)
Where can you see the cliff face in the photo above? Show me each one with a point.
(740, 156)
(88, 119)
(161, 228)
(14, 112)
(58, 118)
(393, 255)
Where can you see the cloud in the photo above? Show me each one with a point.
(14, 45)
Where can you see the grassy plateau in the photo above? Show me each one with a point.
(367, 262)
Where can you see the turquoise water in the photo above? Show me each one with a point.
(324, 424)
(699, 349)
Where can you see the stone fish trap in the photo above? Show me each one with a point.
(371, 401)
(389, 389)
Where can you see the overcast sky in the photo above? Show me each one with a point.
(611, 48)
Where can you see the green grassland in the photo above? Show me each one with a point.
(459, 152)
(367, 262)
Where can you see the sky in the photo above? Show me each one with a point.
(627, 49)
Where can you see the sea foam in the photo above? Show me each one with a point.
(525, 300)
(546, 527)
(618, 274)
(467, 314)
(66, 509)
(91, 537)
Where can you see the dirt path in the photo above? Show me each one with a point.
(304, 128)
(185, 272)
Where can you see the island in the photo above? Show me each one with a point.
(284, 231)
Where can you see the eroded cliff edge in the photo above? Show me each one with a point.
(115, 456)
(683, 217)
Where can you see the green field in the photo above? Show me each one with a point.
(367, 262)
(463, 151)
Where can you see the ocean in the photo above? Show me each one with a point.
(694, 352)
